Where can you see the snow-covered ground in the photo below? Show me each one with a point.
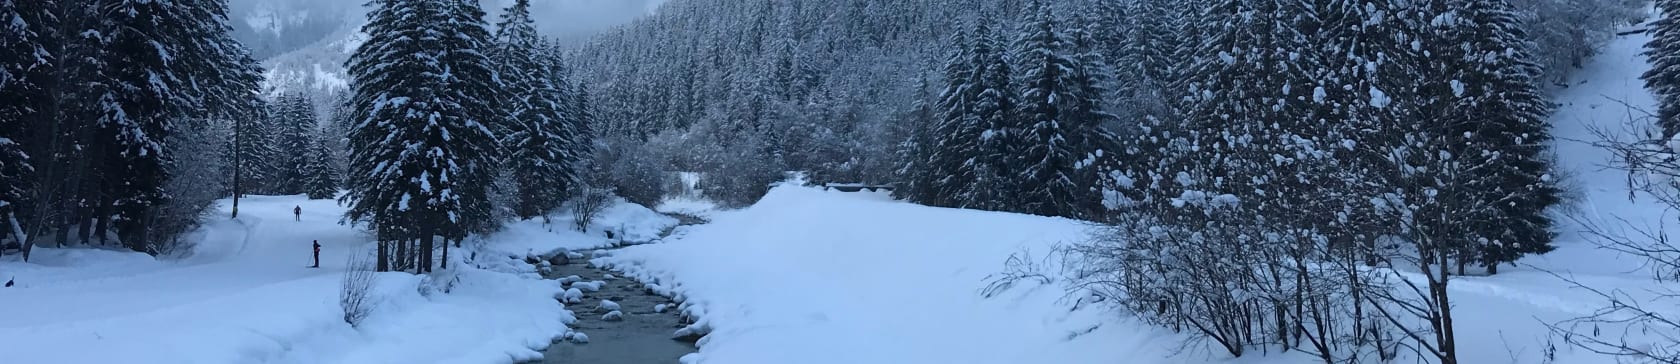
(808, 276)
(804, 276)
(247, 295)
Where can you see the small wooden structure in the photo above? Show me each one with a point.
(855, 187)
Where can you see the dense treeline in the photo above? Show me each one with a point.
(1255, 158)
(452, 128)
(827, 87)
(107, 107)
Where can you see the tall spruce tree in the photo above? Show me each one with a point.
(320, 181)
(957, 133)
(997, 110)
(295, 114)
(1505, 97)
(395, 83)
(537, 154)
(1060, 125)
(27, 38)
(424, 153)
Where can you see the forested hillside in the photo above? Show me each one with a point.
(837, 87)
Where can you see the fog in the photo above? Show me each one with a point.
(271, 27)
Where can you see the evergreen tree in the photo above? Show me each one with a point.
(297, 123)
(1061, 119)
(424, 153)
(147, 88)
(543, 167)
(916, 145)
(27, 32)
(1511, 112)
(253, 148)
(957, 133)
(1663, 79)
(321, 182)
(997, 162)
(394, 86)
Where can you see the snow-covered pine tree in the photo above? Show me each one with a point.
(297, 123)
(253, 152)
(469, 103)
(917, 141)
(1090, 130)
(1061, 117)
(998, 110)
(543, 168)
(1506, 98)
(27, 38)
(150, 52)
(393, 90)
(321, 181)
(956, 133)
(1663, 79)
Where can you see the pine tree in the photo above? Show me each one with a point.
(26, 56)
(542, 165)
(1505, 96)
(298, 125)
(997, 162)
(1061, 120)
(394, 83)
(913, 150)
(956, 135)
(254, 150)
(149, 87)
(1663, 79)
(320, 181)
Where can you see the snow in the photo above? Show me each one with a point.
(572, 295)
(589, 286)
(800, 278)
(246, 295)
(609, 305)
(810, 276)
(634, 222)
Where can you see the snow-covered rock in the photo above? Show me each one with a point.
(589, 286)
(609, 305)
(577, 337)
(570, 279)
(572, 295)
(613, 316)
(659, 308)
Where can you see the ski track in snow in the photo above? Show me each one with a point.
(247, 295)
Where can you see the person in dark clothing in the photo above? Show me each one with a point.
(297, 213)
(317, 254)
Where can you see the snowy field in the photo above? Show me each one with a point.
(247, 296)
(808, 276)
(804, 276)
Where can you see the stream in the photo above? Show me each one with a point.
(642, 331)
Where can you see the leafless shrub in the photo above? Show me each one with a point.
(1633, 326)
(355, 288)
(588, 205)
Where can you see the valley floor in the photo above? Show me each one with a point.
(804, 276)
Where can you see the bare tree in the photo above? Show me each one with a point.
(1634, 326)
(355, 289)
(589, 204)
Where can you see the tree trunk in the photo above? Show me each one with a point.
(402, 255)
(103, 213)
(384, 252)
(427, 241)
(445, 263)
